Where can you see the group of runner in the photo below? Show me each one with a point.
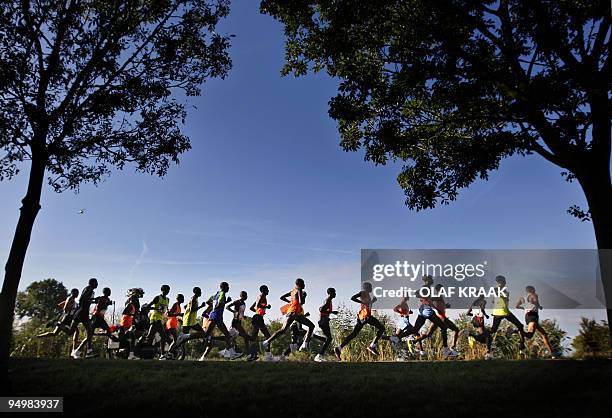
(170, 328)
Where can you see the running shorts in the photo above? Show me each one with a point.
(258, 321)
(99, 322)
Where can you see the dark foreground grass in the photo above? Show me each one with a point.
(444, 389)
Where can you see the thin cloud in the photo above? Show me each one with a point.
(139, 260)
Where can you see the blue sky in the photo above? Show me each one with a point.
(266, 195)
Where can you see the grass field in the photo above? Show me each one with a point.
(442, 389)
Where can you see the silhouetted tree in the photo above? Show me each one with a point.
(451, 87)
(88, 84)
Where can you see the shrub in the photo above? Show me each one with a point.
(593, 340)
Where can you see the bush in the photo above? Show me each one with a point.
(506, 342)
(344, 323)
(593, 340)
(26, 344)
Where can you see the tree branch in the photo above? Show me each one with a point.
(599, 43)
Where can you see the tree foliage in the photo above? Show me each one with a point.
(593, 340)
(87, 84)
(451, 87)
(40, 300)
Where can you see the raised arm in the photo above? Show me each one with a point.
(355, 298)
(231, 306)
(173, 311)
(520, 302)
(209, 306)
(285, 297)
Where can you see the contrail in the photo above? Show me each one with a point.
(143, 252)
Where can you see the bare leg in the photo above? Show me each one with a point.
(75, 338)
(53, 333)
(288, 321)
(545, 338)
(305, 321)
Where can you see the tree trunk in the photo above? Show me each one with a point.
(14, 264)
(597, 187)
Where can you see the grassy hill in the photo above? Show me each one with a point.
(497, 388)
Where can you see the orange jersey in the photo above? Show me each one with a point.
(263, 305)
(127, 319)
(294, 306)
(365, 311)
(285, 308)
(172, 322)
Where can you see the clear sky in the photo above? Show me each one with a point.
(267, 195)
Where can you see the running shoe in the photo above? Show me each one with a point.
(90, 354)
(420, 353)
(131, 356)
(338, 353)
(319, 358)
(488, 356)
(304, 346)
(372, 349)
(453, 352)
(252, 357)
(394, 340)
(293, 347)
(202, 357)
(268, 357)
(75, 354)
(266, 344)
